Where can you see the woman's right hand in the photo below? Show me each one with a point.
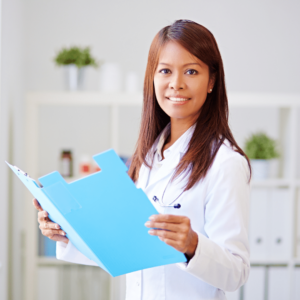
(47, 227)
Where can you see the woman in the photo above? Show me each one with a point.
(192, 170)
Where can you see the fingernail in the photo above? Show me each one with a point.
(152, 218)
(57, 226)
(151, 231)
(45, 214)
(147, 223)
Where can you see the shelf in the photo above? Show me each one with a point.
(261, 99)
(69, 179)
(276, 182)
(84, 98)
(102, 98)
(297, 262)
(43, 260)
(272, 182)
(72, 179)
(51, 261)
(273, 262)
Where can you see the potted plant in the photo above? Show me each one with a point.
(75, 59)
(260, 149)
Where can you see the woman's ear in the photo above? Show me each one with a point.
(211, 83)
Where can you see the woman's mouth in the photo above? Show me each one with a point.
(178, 100)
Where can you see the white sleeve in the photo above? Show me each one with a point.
(222, 257)
(69, 252)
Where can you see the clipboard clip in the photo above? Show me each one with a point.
(22, 172)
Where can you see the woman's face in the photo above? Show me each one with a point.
(181, 82)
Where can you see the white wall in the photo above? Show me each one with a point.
(259, 40)
(10, 135)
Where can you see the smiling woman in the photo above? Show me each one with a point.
(184, 62)
(189, 164)
(192, 170)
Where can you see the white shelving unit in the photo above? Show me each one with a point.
(46, 113)
(54, 118)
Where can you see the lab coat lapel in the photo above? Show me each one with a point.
(144, 172)
(143, 177)
(167, 169)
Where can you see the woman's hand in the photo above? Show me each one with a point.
(48, 228)
(175, 231)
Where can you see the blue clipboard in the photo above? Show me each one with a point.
(103, 215)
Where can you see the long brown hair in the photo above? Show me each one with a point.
(212, 125)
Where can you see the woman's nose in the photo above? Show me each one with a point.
(176, 83)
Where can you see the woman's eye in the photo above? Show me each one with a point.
(164, 71)
(191, 72)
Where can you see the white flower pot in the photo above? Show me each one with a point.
(132, 82)
(274, 168)
(260, 168)
(74, 77)
(110, 77)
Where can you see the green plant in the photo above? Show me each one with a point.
(75, 55)
(260, 146)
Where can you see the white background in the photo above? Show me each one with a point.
(259, 42)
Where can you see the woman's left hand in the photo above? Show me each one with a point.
(175, 231)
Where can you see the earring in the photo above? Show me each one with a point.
(210, 90)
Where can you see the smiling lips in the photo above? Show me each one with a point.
(178, 99)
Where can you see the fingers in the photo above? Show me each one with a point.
(42, 216)
(176, 240)
(50, 233)
(56, 237)
(49, 225)
(164, 225)
(37, 205)
(170, 222)
(48, 228)
(173, 230)
(174, 244)
(169, 218)
(163, 234)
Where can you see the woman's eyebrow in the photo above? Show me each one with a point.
(192, 64)
(162, 63)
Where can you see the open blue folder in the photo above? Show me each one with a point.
(103, 215)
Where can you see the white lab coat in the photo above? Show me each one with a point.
(218, 207)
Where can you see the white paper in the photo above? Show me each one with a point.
(254, 289)
(278, 283)
(296, 291)
(258, 226)
(298, 224)
(280, 224)
(110, 77)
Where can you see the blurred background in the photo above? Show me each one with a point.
(71, 86)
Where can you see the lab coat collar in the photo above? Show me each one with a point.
(171, 162)
(179, 146)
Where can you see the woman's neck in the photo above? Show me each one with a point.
(178, 128)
